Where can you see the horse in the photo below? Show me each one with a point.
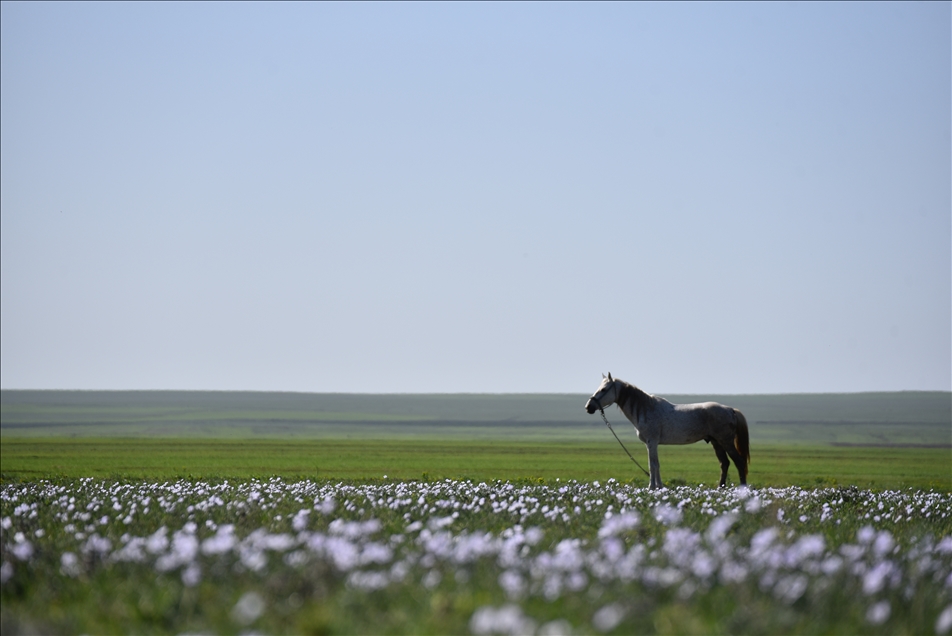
(658, 421)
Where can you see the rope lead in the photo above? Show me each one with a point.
(602, 411)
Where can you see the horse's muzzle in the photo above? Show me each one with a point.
(591, 407)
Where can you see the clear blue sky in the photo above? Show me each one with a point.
(732, 198)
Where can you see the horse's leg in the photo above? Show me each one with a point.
(738, 462)
(654, 466)
(722, 458)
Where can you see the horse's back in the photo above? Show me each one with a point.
(690, 423)
(707, 410)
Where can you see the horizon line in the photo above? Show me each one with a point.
(448, 393)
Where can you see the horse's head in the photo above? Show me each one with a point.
(606, 395)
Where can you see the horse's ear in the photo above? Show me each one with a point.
(610, 377)
(603, 376)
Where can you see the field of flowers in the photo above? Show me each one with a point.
(384, 556)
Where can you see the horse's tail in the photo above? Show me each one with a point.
(742, 437)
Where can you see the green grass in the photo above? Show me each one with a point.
(772, 465)
(881, 440)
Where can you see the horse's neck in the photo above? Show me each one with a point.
(634, 402)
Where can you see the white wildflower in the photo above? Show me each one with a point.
(732, 572)
(761, 542)
(222, 541)
(533, 535)
(253, 559)
(559, 627)
(608, 618)
(432, 579)
(619, 524)
(248, 608)
(183, 550)
(437, 523)
(97, 544)
(508, 619)
(22, 550)
(878, 613)
(790, 588)
(865, 535)
(354, 529)
(158, 541)
(831, 565)
(399, 571)
(942, 624)
(810, 546)
(753, 504)
(326, 506)
(275, 542)
(296, 559)
(69, 565)
(720, 526)
(343, 553)
(577, 581)
(883, 544)
(192, 575)
(876, 578)
(667, 514)
(375, 553)
(368, 580)
(299, 522)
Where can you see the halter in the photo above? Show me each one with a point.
(601, 410)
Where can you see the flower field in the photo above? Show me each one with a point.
(385, 556)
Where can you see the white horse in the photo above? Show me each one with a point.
(658, 421)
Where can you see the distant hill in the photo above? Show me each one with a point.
(896, 418)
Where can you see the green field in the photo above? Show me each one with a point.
(880, 440)
(772, 465)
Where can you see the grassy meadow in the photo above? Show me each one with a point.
(877, 440)
(772, 465)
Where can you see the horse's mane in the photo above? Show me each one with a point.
(633, 399)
